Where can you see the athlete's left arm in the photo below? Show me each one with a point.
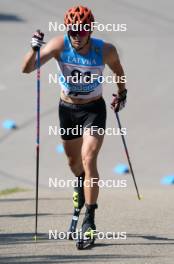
(111, 58)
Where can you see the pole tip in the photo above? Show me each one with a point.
(35, 238)
(140, 197)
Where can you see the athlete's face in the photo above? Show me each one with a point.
(79, 39)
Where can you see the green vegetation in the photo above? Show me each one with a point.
(12, 190)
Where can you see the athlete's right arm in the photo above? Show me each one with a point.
(51, 50)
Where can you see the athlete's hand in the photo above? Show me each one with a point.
(37, 40)
(119, 101)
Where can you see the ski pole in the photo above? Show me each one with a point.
(128, 158)
(37, 140)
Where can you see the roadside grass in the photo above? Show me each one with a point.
(12, 190)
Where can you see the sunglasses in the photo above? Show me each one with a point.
(80, 33)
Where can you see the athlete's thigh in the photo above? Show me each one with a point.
(73, 148)
(91, 145)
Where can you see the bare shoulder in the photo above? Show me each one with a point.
(109, 53)
(57, 41)
(55, 45)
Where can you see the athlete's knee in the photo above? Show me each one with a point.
(75, 165)
(72, 162)
(89, 161)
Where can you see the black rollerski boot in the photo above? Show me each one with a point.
(78, 202)
(88, 232)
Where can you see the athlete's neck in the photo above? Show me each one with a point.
(85, 49)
